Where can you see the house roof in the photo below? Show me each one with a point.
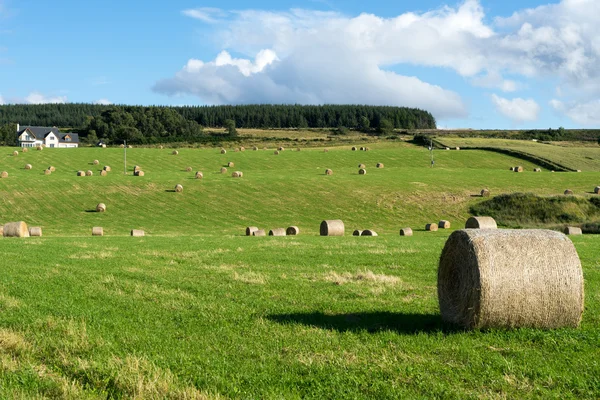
(40, 132)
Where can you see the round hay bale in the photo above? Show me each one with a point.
(328, 172)
(568, 192)
(597, 189)
(80, 173)
(457, 148)
(28, 166)
(367, 149)
(512, 169)
(357, 232)
(101, 207)
(47, 171)
(175, 153)
(280, 148)
(573, 230)
(15, 153)
(15, 229)
(199, 175)
(362, 149)
(362, 166)
(237, 174)
(106, 168)
(332, 227)
(277, 232)
(276, 152)
(122, 146)
(265, 148)
(292, 230)
(362, 171)
(443, 224)
(298, 149)
(406, 232)
(368, 232)
(431, 227)
(136, 168)
(51, 168)
(223, 170)
(96, 162)
(447, 148)
(230, 164)
(242, 148)
(485, 193)
(39, 148)
(103, 173)
(179, 188)
(97, 231)
(139, 172)
(161, 147)
(1, 230)
(578, 170)
(537, 170)
(89, 173)
(379, 165)
(24, 149)
(518, 169)
(259, 232)
(137, 233)
(254, 148)
(223, 151)
(250, 230)
(481, 223)
(188, 169)
(236, 150)
(3, 174)
(35, 231)
(353, 148)
(509, 279)
(103, 146)
(325, 150)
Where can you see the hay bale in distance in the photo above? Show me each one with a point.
(362, 149)
(103, 173)
(223, 170)
(242, 148)
(443, 224)
(223, 151)
(277, 232)
(51, 168)
(481, 223)
(1, 230)
(35, 231)
(280, 148)
(512, 169)
(597, 189)
(485, 193)
(230, 164)
(510, 279)
(368, 232)
(188, 169)
(259, 232)
(362, 166)
(80, 173)
(106, 168)
(97, 231)
(367, 149)
(96, 162)
(357, 232)
(328, 172)
(28, 166)
(573, 230)
(15, 229)
(39, 148)
(122, 146)
(137, 233)
(199, 175)
(518, 169)
(101, 207)
(353, 148)
(406, 232)
(24, 150)
(139, 172)
(4, 174)
(362, 171)
(47, 171)
(136, 168)
(457, 148)
(103, 146)
(292, 230)
(254, 148)
(237, 174)
(89, 173)
(537, 170)
(431, 227)
(15, 153)
(175, 153)
(379, 165)
(250, 230)
(179, 188)
(332, 227)
(568, 192)
(325, 150)
(276, 152)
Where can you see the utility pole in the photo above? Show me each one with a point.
(431, 151)
(125, 157)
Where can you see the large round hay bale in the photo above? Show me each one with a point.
(24, 150)
(236, 150)
(250, 230)
(362, 166)
(15, 229)
(242, 148)
(51, 168)
(406, 232)
(597, 189)
(332, 227)
(223, 151)
(367, 149)
(188, 169)
(199, 175)
(80, 173)
(328, 172)
(223, 170)
(35, 231)
(443, 224)
(509, 279)
(179, 188)
(161, 147)
(568, 192)
(457, 148)
(362, 171)
(230, 164)
(431, 227)
(280, 148)
(130, 147)
(298, 149)
(3, 174)
(292, 230)
(254, 148)
(89, 173)
(259, 232)
(277, 232)
(276, 152)
(28, 166)
(362, 149)
(103, 173)
(379, 165)
(1, 230)
(39, 148)
(573, 230)
(106, 168)
(485, 193)
(518, 169)
(47, 171)
(175, 153)
(136, 168)
(353, 148)
(481, 223)
(103, 146)
(137, 233)
(101, 207)
(97, 231)
(95, 162)
(122, 146)
(537, 170)
(512, 169)
(368, 232)
(139, 172)
(357, 232)
(15, 153)
(237, 174)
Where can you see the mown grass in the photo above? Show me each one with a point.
(195, 310)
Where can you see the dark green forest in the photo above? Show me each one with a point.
(158, 124)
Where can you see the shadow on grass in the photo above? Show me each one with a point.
(369, 321)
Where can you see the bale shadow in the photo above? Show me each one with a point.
(90, 211)
(476, 195)
(171, 191)
(373, 322)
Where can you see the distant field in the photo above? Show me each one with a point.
(196, 310)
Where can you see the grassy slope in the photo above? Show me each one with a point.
(198, 311)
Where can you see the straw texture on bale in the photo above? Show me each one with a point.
(223, 151)
(15, 153)
(179, 188)
(237, 174)
(137, 233)
(597, 189)
(357, 232)
(518, 169)
(259, 232)
(89, 173)
(379, 165)
(431, 227)
(35, 231)
(481, 223)
(188, 169)
(97, 231)
(51, 168)
(230, 164)
(509, 279)
(106, 168)
(292, 231)
(443, 224)
(568, 192)
(485, 193)
(103, 173)
(15, 229)
(101, 207)
(139, 172)
(573, 230)
(406, 232)
(223, 170)
(175, 152)
(25, 150)
(277, 232)
(80, 173)
(332, 227)
(362, 171)
(362, 166)
(96, 162)
(47, 171)
(199, 175)
(328, 172)
(250, 230)
(368, 232)
(28, 166)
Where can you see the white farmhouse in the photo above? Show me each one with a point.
(33, 136)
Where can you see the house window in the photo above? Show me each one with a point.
(67, 138)
(51, 144)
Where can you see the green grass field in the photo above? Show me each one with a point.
(197, 310)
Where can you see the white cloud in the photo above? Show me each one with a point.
(38, 98)
(206, 14)
(493, 80)
(583, 113)
(104, 102)
(518, 109)
(2, 102)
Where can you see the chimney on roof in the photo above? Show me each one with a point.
(18, 127)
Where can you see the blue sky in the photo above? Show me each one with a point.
(472, 63)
